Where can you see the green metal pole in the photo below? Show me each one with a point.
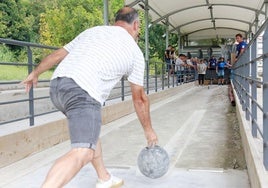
(105, 12)
(147, 44)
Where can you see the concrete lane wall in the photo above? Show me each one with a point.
(257, 174)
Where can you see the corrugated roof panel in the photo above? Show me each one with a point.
(194, 15)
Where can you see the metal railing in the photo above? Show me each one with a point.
(252, 89)
(156, 80)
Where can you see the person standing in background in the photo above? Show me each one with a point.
(168, 60)
(180, 67)
(221, 65)
(241, 46)
(201, 70)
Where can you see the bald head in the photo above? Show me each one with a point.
(127, 14)
(128, 18)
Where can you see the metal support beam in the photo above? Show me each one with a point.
(266, 8)
(210, 7)
(179, 42)
(205, 5)
(31, 93)
(186, 40)
(249, 34)
(253, 53)
(205, 19)
(167, 32)
(265, 96)
(146, 16)
(256, 23)
(105, 12)
(247, 83)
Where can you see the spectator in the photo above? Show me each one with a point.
(200, 54)
(209, 52)
(212, 63)
(190, 69)
(82, 82)
(201, 69)
(220, 70)
(168, 60)
(192, 63)
(206, 62)
(189, 55)
(180, 67)
(241, 46)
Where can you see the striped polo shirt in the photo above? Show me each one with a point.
(99, 57)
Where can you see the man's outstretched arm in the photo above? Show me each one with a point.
(47, 63)
(142, 107)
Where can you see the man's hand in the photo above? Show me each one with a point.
(151, 138)
(47, 63)
(30, 81)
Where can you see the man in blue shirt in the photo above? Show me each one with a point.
(240, 48)
(220, 70)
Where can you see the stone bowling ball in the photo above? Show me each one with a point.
(153, 162)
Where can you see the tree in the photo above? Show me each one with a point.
(114, 6)
(57, 22)
(12, 24)
(157, 42)
(60, 25)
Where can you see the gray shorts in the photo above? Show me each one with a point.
(82, 111)
(221, 73)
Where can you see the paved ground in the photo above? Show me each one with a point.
(197, 127)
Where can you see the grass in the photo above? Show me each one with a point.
(17, 73)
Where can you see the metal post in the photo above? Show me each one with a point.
(31, 94)
(256, 23)
(265, 97)
(243, 82)
(167, 32)
(240, 81)
(253, 50)
(167, 44)
(186, 40)
(163, 76)
(155, 75)
(173, 77)
(181, 76)
(105, 12)
(179, 41)
(266, 8)
(247, 71)
(250, 33)
(147, 43)
(122, 89)
(179, 51)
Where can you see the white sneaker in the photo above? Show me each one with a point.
(113, 182)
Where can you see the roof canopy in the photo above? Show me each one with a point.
(204, 19)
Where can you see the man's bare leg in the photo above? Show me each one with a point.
(98, 163)
(105, 178)
(66, 167)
